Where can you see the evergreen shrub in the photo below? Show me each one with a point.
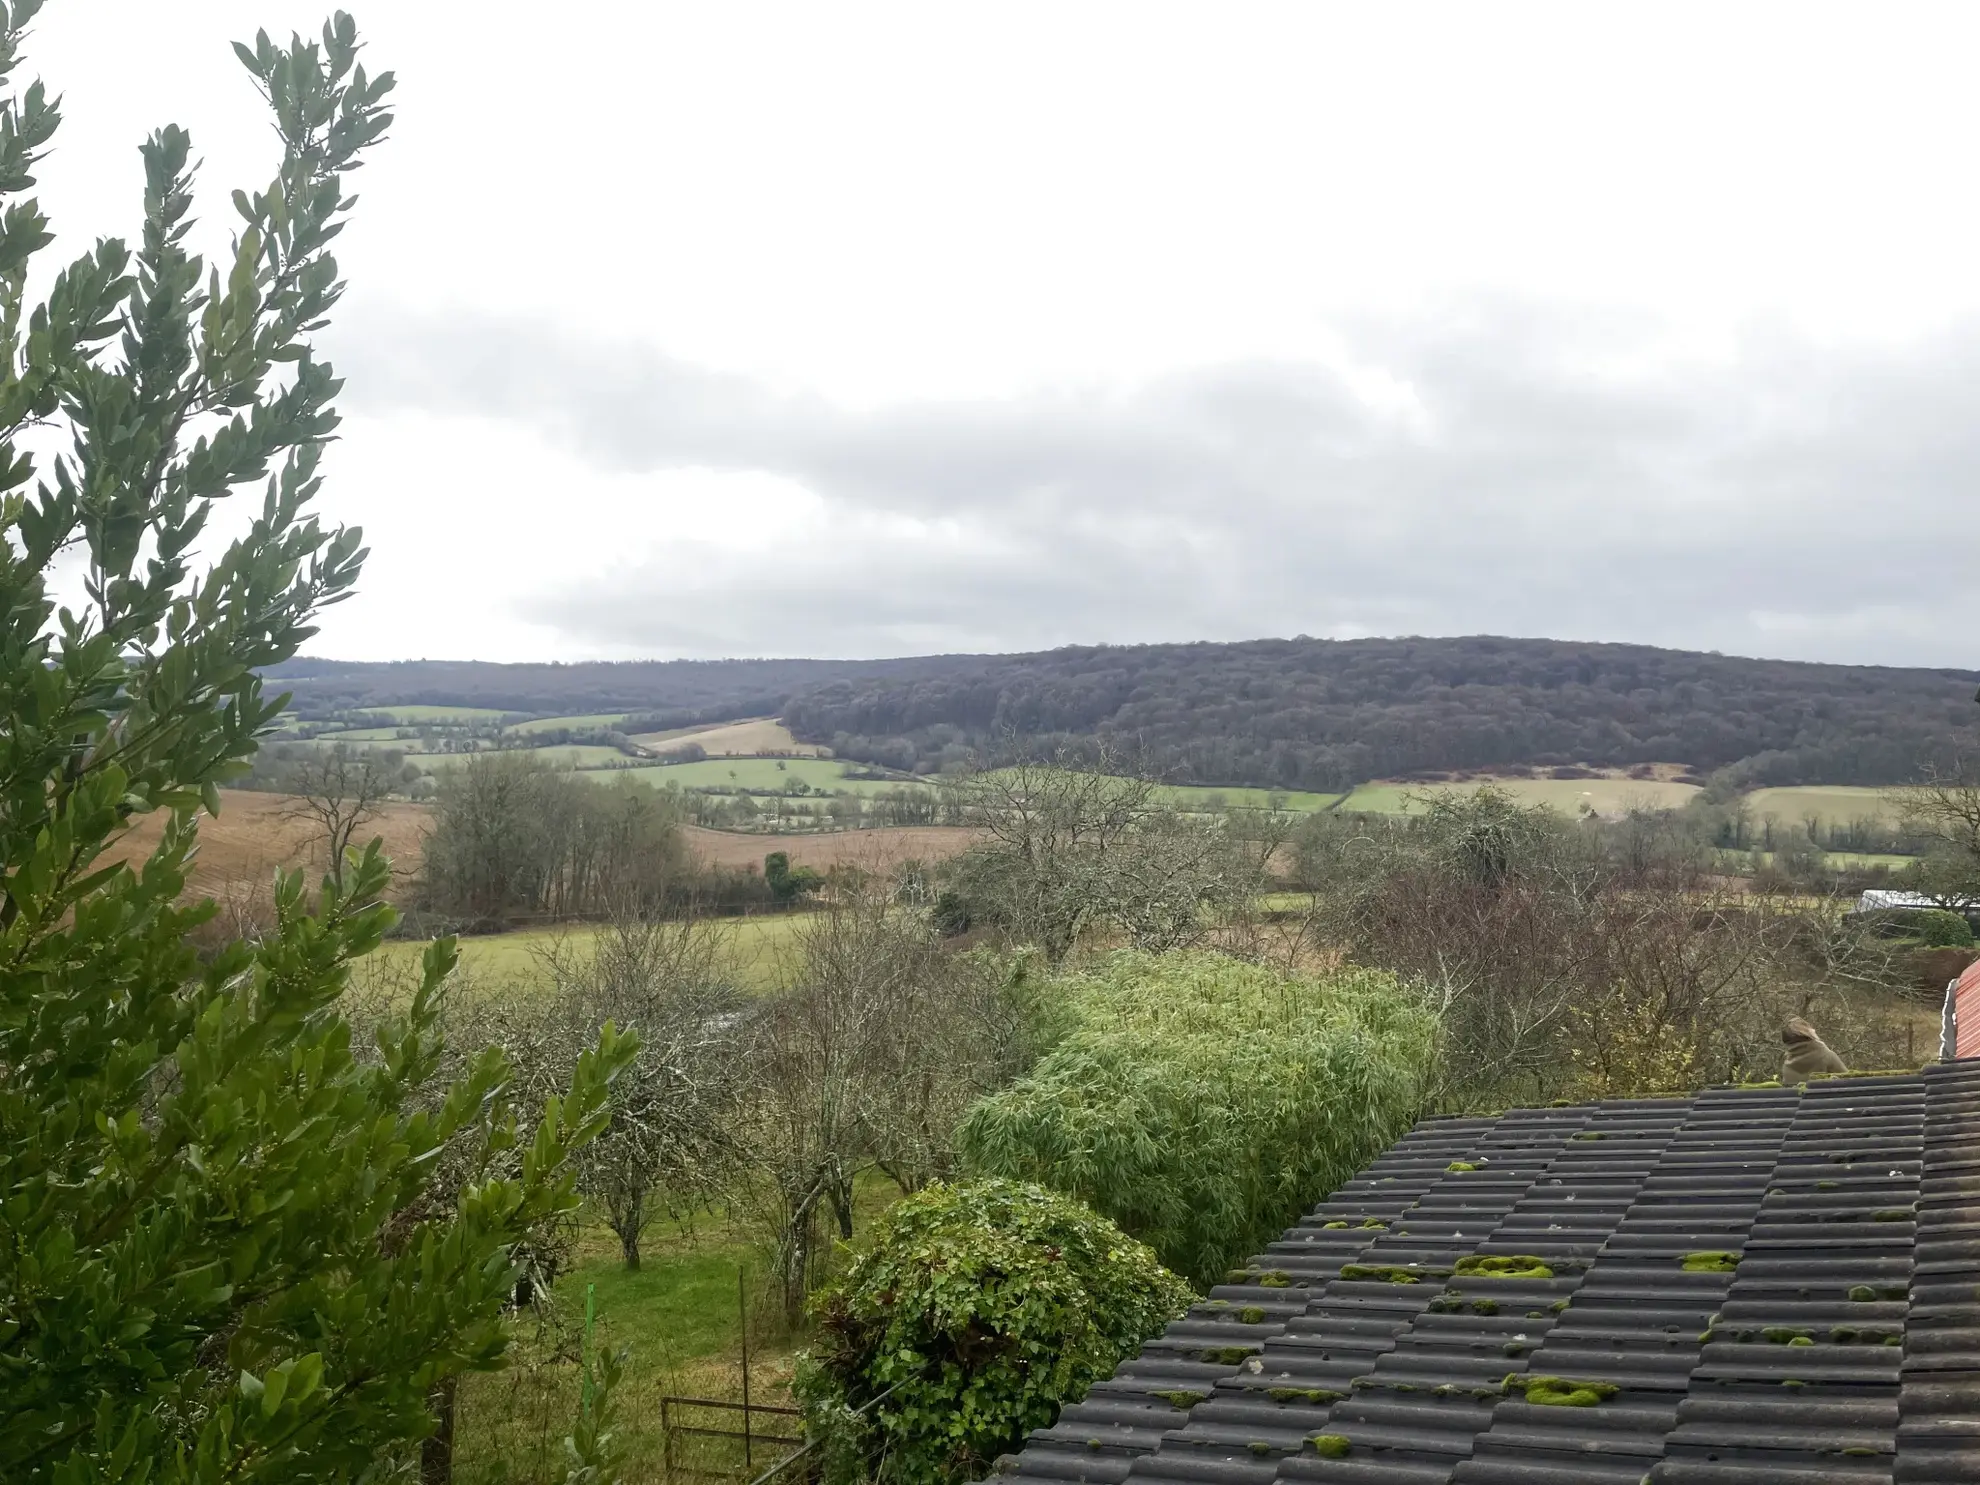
(977, 1313)
(1204, 1103)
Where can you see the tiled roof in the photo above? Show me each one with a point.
(1780, 1285)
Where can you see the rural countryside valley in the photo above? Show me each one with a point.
(1002, 885)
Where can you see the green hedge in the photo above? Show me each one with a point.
(1204, 1103)
(985, 1308)
(1938, 928)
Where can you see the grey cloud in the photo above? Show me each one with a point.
(1499, 468)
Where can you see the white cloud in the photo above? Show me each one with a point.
(771, 327)
(1789, 499)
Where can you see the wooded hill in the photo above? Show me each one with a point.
(664, 693)
(1301, 713)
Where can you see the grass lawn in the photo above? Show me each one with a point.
(756, 944)
(679, 1320)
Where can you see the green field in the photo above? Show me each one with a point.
(588, 756)
(1835, 804)
(362, 734)
(503, 961)
(410, 715)
(771, 775)
(576, 724)
(1834, 860)
(1200, 797)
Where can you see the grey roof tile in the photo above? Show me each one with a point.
(1842, 1346)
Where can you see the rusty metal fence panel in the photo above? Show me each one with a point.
(685, 1421)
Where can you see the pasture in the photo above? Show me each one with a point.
(734, 739)
(768, 775)
(414, 715)
(1835, 860)
(1834, 804)
(585, 757)
(367, 735)
(755, 949)
(879, 848)
(1570, 796)
(1201, 798)
(585, 723)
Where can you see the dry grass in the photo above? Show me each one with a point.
(249, 839)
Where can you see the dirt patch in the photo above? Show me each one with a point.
(243, 845)
(874, 849)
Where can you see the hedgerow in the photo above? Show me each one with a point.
(1203, 1103)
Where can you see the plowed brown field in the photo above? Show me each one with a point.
(241, 847)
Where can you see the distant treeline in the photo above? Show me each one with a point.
(1324, 714)
(664, 693)
(1295, 714)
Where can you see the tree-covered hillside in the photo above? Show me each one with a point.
(1325, 714)
(667, 693)
(1300, 713)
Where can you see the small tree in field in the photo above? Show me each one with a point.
(336, 793)
(221, 1257)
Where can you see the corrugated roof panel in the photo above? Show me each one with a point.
(1966, 1012)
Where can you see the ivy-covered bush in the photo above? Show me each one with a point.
(985, 1308)
(1203, 1103)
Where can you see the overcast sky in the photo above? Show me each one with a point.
(848, 330)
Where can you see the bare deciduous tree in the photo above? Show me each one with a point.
(1570, 958)
(671, 1135)
(865, 1060)
(1942, 813)
(1073, 847)
(337, 791)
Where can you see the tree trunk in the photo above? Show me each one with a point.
(628, 1213)
(436, 1451)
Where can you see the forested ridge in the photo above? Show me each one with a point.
(1326, 714)
(674, 692)
(1300, 713)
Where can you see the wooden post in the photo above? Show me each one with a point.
(742, 1310)
(666, 1442)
